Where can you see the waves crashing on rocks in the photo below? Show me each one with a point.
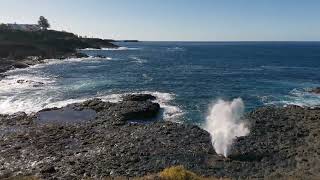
(225, 124)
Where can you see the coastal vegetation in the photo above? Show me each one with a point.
(43, 23)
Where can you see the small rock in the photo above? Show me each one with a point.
(20, 65)
(48, 170)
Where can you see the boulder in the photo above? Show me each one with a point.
(19, 65)
(100, 56)
(80, 55)
(138, 97)
(124, 110)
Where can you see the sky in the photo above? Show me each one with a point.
(174, 20)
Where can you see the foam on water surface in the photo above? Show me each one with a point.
(185, 77)
(110, 49)
(38, 90)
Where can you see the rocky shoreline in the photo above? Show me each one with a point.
(21, 49)
(7, 64)
(130, 139)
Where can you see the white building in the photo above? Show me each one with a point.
(24, 27)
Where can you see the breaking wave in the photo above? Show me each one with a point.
(138, 60)
(32, 89)
(298, 97)
(175, 49)
(111, 49)
(170, 112)
(39, 101)
(71, 60)
(28, 91)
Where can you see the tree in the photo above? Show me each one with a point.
(3, 26)
(43, 23)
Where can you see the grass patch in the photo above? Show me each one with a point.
(178, 173)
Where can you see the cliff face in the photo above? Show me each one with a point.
(19, 49)
(46, 44)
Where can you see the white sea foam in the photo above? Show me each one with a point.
(147, 77)
(175, 49)
(225, 123)
(41, 100)
(25, 97)
(63, 103)
(138, 59)
(18, 83)
(111, 49)
(114, 98)
(298, 97)
(71, 60)
(170, 112)
(38, 90)
(13, 104)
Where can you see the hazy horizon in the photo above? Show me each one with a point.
(178, 20)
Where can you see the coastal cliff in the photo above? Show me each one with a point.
(19, 49)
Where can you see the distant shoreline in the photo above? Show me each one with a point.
(21, 49)
(169, 41)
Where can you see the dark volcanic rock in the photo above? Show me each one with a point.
(284, 142)
(80, 55)
(19, 65)
(103, 147)
(122, 111)
(17, 119)
(1, 75)
(138, 97)
(100, 56)
(315, 90)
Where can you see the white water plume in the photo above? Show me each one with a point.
(225, 123)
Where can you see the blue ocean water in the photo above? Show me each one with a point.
(187, 76)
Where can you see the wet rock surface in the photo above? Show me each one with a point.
(105, 146)
(315, 90)
(282, 142)
(139, 97)
(66, 115)
(7, 64)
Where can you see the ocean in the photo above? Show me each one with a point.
(187, 77)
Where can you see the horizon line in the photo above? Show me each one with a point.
(219, 40)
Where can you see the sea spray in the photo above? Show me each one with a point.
(224, 123)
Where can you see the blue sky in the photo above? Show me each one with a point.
(182, 20)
